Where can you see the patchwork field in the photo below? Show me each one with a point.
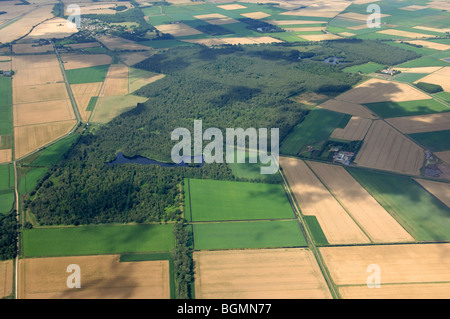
(102, 277)
(386, 149)
(35, 70)
(116, 81)
(355, 130)
(83, 93)
(120, 44)
(79, 61)
(7, 183)
(109, 107)
(407, 271)
(408, 108)
(42, 110)
(40, 93)
(21, 27)
(55, 28)
(30, 48)
(421, 123)
(248, 234)
(91, 74)
(440, 190)
(31, 137)
(178, 30)
(315, 200)
(263, 273)
(435, 141)
(5, 155)
(376, 222)
(317, 127)
(420, 213)
(93, 240)
(377, 90)
(440, 77)
(6, 278)
(52, 154)
(237, 201)
(348, 108)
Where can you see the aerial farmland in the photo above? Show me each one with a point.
(346, 103)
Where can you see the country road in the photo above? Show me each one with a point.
(16, 190)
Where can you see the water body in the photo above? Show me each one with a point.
(122, 159)
(332, 60)
(448, 59)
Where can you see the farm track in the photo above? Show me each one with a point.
(69, 90)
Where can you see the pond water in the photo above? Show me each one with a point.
(122, 159)
(332, 60)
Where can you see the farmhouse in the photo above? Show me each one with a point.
(343, 157)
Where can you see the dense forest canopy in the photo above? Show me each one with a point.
(230, 87)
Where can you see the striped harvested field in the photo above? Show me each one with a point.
(387, 149)
(376, 222)
(314, 199)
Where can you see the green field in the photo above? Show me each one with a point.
(6, 176)
(409, 108)
(52, 154)
(422, 62)
(213, 200)
(316, 127)
(254, 234)
(419, 212)
(364, 68)
(28, 181)
(6, 201)
(315, 230)
(7, 181)
(87, 75)
(92, 103)
(436, 141)
(6, 126)
(409, 77)
(445, 96)
(92, 240)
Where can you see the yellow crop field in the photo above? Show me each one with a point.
(5, 156)
(355, 130)
(263, 273)
(376, 222)
(6, 278)
(421, 123)
(314, 199)
(404, 270)
(43, 112)
(78, 61)
(387, 149)
(83, 93)
(348, 108)
(440, 190)
(31, 137)
(54, 28)
(101, 277)
(23, 25)
(40, 93)
(377, 90)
